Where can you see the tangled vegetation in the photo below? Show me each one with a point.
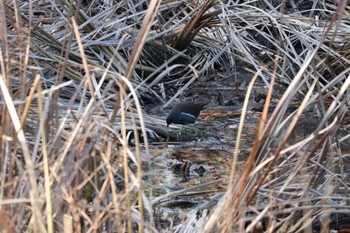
(76, 75)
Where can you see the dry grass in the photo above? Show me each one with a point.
(75, 75)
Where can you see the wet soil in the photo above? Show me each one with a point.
(188, 161)
(185, 162)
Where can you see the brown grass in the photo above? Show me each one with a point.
(73, 76)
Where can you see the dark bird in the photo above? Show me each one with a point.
(184, 114)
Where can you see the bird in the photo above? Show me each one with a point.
(184, 114)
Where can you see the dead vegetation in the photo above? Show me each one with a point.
(74, 79)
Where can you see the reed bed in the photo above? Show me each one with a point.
(74, 78)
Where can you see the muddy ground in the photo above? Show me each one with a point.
(189, 161)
